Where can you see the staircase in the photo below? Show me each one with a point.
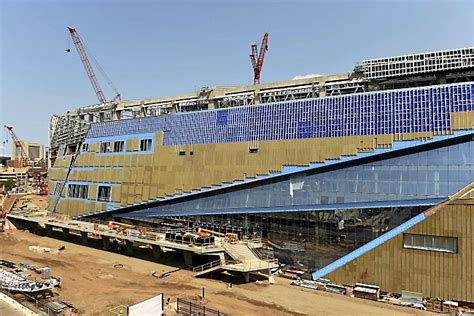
(246, 259)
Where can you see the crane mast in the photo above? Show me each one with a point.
(257, 59)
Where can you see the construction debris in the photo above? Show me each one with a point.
(18, 282)
(367, 291)
(39, 249)
(412, 299)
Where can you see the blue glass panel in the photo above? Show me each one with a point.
(385, 112)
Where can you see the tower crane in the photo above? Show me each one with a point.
(89, 70)
(257, 60)
(19, 148)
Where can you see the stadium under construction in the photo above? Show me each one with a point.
(364, 176)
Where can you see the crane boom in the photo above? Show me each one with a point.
(87, 65)
(257, 60)
(18, 145)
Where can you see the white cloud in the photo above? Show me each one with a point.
(306, 76)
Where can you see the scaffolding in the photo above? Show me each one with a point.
(416, 64)
(289, 93)
(345, 87)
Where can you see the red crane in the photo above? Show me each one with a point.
(23, 160)
(89, 70)
(257, 60)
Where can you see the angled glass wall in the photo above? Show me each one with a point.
(434, 173)
(311, 239)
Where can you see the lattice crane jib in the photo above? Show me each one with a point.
(19, 147)
(258, 58)
(90, 71)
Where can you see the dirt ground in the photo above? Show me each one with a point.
(5, 309)
(90, 282)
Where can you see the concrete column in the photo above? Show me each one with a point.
(271, 279)
(105, 242)
(156, 250)
(188, 257)
(49, 230)
(129, 245)
(247, 277)
(65, 232)
(84, 237)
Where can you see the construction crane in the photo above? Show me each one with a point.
(257, 60)
(19, 148)
(89, 70)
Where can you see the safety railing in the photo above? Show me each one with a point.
(207, 266)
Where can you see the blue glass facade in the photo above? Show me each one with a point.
(413, 110)
(428, 174)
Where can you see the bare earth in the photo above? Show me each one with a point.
(90, 282)
(5, 309)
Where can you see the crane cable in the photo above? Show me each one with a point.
(97, 65)
(95, 62)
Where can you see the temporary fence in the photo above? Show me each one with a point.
(192, 309)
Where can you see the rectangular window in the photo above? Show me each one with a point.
(103, 193)
(79, 191)
(118, 146)
(428, 242)
(105, 147)
(57, 188)
(85, 147)
(145, 144)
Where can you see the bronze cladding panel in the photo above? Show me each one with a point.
(435, 274)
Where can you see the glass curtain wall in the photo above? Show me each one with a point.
(430, 174)
(311, 239)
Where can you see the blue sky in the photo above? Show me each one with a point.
(164, 48)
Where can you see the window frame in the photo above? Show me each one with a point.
(57, 188)
(99, 195)
(105, 147)
(146, 144)
(85, 147)
(431, 242)
(78, 191)
(120, 144)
